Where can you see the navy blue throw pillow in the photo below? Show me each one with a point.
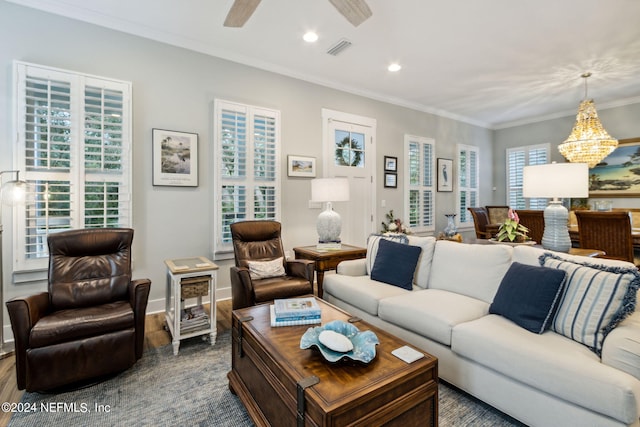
(529, 295)
(395, 263)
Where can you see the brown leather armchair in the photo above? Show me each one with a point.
(90, 323)
(261, 241)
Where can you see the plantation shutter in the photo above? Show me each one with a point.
(73, 146)
(247, 143)
(419, 182)
(468, 182)
(517, 159)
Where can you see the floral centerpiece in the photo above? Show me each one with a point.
(512, 230)
(394, 225)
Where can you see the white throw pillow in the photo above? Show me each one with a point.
(427, 244)
(266, 269)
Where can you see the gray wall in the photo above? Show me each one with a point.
(174, 88)
(620, 122)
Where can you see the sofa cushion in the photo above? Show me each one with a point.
(431, 313)
(427, 244)
(596, 299)
(360, 291)
(621, 349)
(372, 246)
(472, 270)
(549, 362)
(395, 263)
(528, 295)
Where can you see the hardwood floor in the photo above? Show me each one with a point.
(155, 336)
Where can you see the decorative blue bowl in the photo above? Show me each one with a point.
(364, 343)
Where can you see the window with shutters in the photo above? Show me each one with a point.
(74, 134)
(468, 190)
(247, 158)
(419, 182)
(517, 159)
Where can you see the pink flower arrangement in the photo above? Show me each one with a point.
(512, 229)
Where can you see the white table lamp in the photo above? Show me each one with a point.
(555, 181)
(329, 190)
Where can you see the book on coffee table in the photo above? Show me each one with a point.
(293, 321)
(296, 308)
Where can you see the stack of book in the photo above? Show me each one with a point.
(295, 311)
(193, 319)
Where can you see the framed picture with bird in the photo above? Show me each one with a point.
(445, 175)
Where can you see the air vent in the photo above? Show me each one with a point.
(339, 47)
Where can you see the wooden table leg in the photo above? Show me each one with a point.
(319, 280)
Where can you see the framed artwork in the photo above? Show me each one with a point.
(618, 175)
(301, 166)
(390, 164)
(390, 180)
(175, 158)
(445, 175)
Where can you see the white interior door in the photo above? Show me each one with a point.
(349, 152)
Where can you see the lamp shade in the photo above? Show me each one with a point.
(330, 190)
(556, 180)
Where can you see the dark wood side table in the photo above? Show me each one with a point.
(328, 259)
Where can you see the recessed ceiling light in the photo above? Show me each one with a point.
(310, 37)
(394, 67)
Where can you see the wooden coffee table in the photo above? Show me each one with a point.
(281, 384)
(328, 259)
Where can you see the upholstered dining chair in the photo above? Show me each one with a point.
(497, 214)
(607, 231)
(262, 273)
(534, 221)
(90, 322)
(480, 222)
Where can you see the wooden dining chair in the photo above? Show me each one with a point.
(497, 214)
(480, 222)
(534, 221)
(607, 231)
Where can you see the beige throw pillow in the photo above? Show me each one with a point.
(266, 269)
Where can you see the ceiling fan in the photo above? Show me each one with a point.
(355, 11)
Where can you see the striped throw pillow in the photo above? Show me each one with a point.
(596, 299)
(372, 246)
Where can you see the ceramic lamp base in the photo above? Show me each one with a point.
(329, 225)
(556, 231)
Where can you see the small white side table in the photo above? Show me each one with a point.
(190, 279)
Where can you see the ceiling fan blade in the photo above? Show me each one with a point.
(240, 12)
(356, 11)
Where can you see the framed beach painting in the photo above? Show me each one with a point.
(175, 158)
(618, 175)
(301, 166)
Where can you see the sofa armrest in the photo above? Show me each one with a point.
(301, 268)
(621, 347)
(353, 267)
(24, 312)
(138, 298)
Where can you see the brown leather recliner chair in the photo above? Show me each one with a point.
(261, 241)
(90, 323)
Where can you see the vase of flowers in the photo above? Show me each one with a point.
(512, 230)
(394, 225)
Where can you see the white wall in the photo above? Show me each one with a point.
(174, 88)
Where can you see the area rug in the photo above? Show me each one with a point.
(192, 389)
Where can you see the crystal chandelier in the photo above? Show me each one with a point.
(589, 142)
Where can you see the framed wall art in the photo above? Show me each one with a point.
(175, 158)
(390, 164)
(390, 180)
(301, 166)
(445, 175)
(618, 175)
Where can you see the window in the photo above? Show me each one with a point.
(419, 182)
(74, 134)
(517, 159)
(247, 158)
(468, 191)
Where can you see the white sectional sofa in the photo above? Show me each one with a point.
(545, 379)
